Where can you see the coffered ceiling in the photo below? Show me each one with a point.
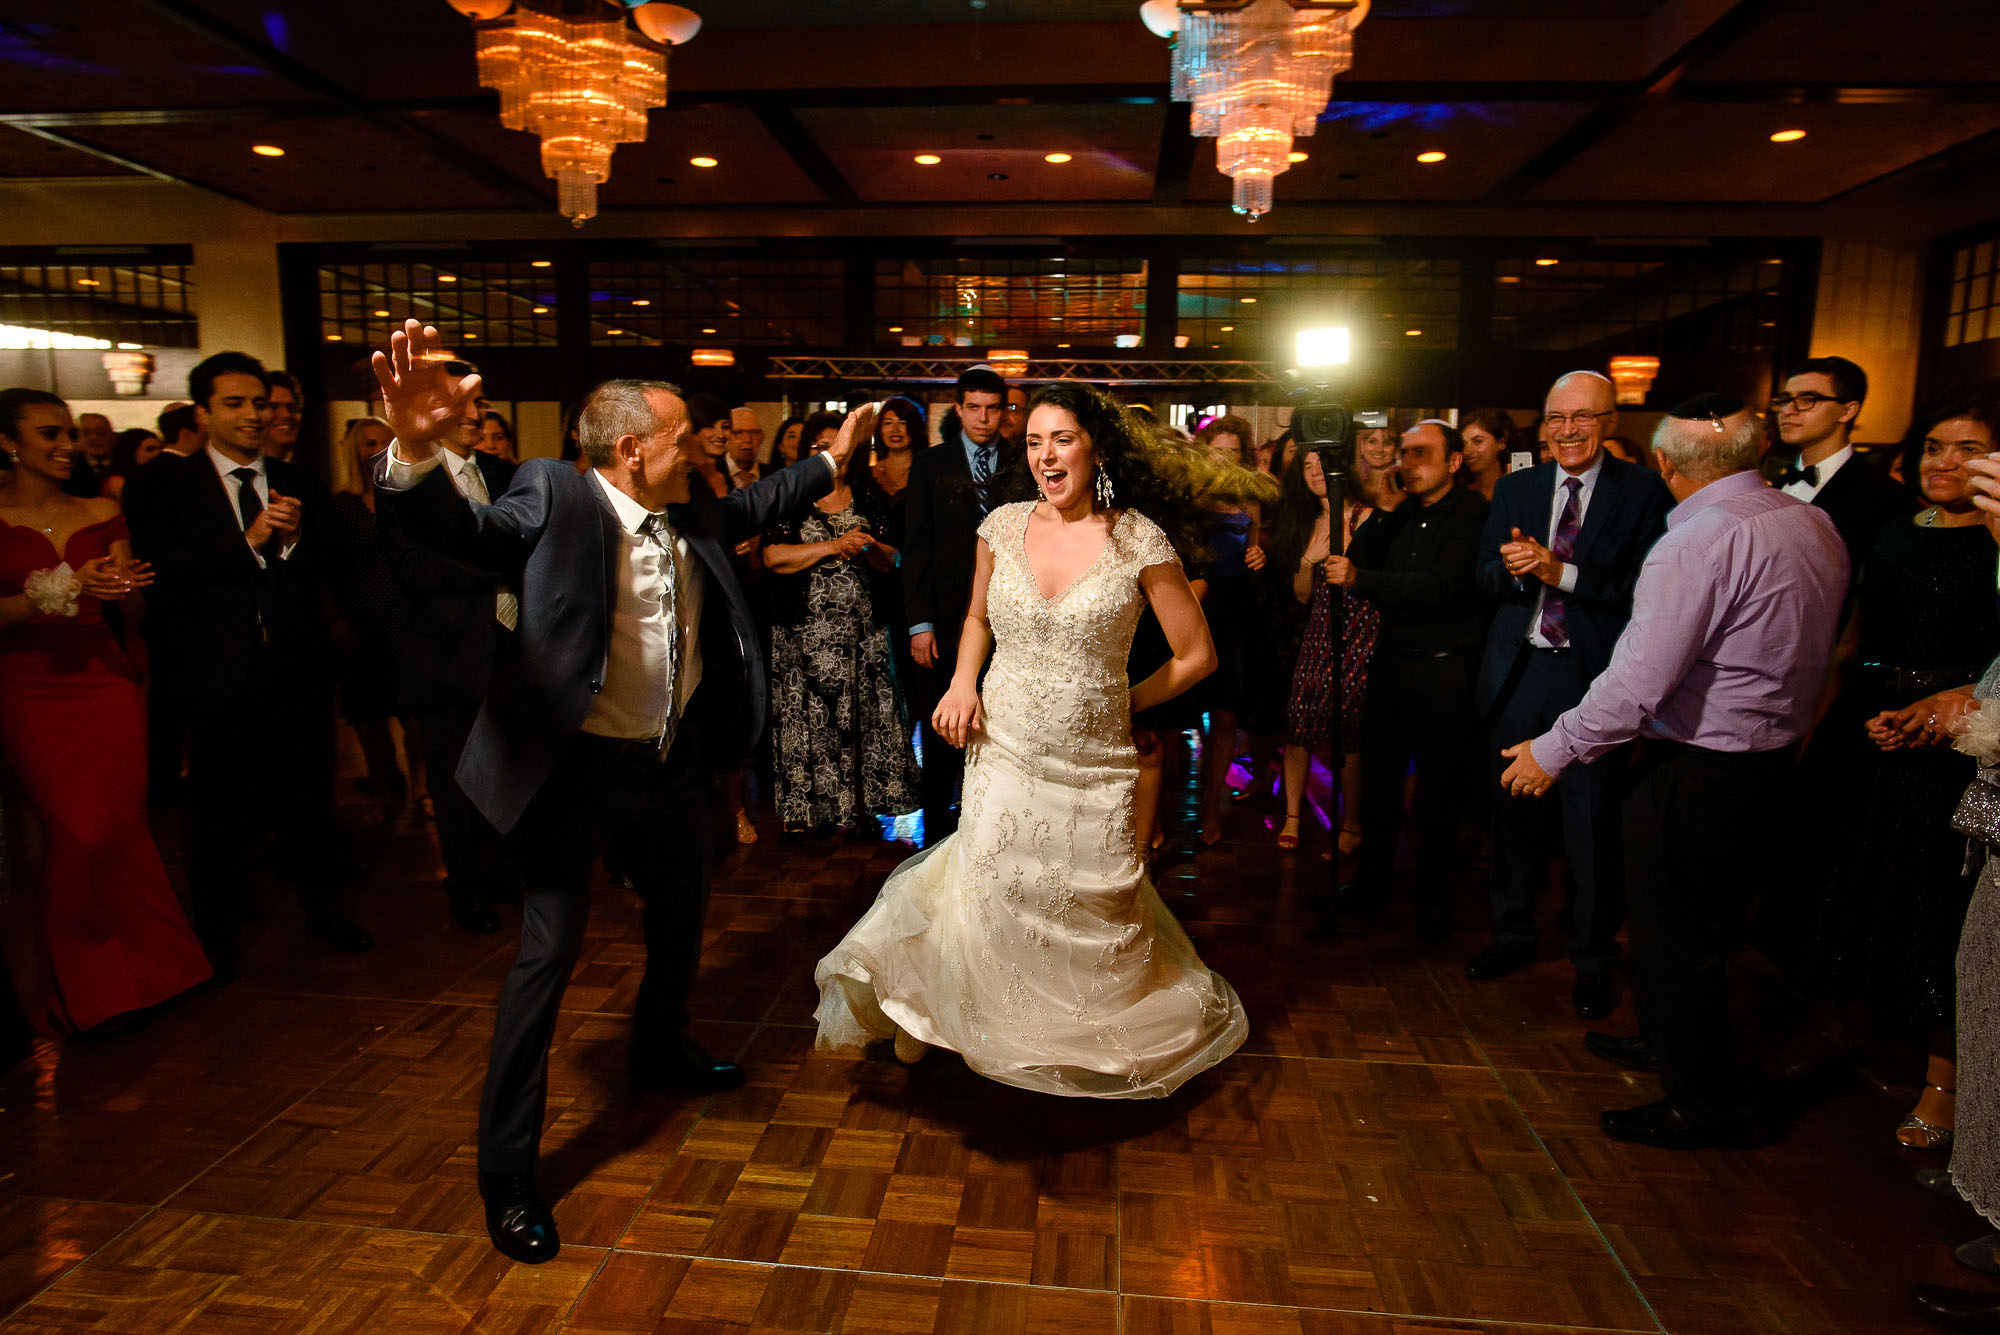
(805, 103)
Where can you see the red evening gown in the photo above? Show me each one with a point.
(73, 727)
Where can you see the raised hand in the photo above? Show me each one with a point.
(420, 399)
(859, 426)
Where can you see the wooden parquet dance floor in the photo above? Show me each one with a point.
(1396, 1150)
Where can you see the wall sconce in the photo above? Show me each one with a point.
(1633, 376)
(129, 372)
(713, 357)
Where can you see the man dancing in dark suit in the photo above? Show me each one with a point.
(1561, 552)
(633, 678)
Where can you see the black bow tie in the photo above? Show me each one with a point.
(1806, 473)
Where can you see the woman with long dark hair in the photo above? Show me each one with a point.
(1032, 941)
(1490, 437)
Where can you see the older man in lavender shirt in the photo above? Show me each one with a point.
(1732, 624)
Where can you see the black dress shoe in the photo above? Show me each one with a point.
(472, 913)
(1595, 995)
(1666, 1127)
(1634, 1053)
(517, 1218)
(1956, 1309)
(341, 932)
(684, 1068)
(1500, 959)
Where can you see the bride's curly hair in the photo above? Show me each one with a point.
(1171, 480)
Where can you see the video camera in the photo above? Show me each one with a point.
(1322, 422)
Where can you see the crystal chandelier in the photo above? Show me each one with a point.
(1257, 73)
(573, 73)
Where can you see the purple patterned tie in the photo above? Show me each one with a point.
(1555, 613)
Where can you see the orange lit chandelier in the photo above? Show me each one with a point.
(1257, 73)
(572, 73)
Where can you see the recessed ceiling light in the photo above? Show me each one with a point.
(1546, 264)
(1510, 278)
(333, 338)
(472, 336)
(540, 264)
(1248, 301)
(1788, 136)
(641, 301)
(996, 176)
(267, 150)
(1228, 329)
(1297, 155)
(87, 282)
(708, 331)
(895, 329)
(703, 161)
(1412, 333)
(1062, 345)
(541, 310)
(1057, 158)
(379, 314)
(1434, 155)
(447, 278)
(928, 159)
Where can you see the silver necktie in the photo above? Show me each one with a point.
(655, 531)
(506, 607)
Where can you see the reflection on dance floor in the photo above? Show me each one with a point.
(1395, 1149)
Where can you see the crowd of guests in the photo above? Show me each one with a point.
(1526, 638)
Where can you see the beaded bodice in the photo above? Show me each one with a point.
(1080, 638)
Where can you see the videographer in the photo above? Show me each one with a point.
(1416, 564)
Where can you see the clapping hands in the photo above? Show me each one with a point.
(109, 579)
(1527, 559)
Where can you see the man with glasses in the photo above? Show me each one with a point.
(1560, 554)
(1815, 415)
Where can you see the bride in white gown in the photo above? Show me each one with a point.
(1032, 941)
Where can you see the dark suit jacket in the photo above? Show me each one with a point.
(558, 535)
(1861, 500)
(447, 651)
(1416, 564)
(226, 626)
(940, 539)
(1627, 515)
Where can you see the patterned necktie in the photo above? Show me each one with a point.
(506, 606)
(655, 531)
(982, 473)
(1555, 612)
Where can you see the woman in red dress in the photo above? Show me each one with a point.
(114, 941)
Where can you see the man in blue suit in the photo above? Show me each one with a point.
(1561, 552)
(632, 679)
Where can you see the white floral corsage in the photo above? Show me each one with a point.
(53, 592)
(1978, 732)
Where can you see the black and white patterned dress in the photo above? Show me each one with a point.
(840, 737)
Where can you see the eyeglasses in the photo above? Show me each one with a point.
(1561, 420)
(1805, 403)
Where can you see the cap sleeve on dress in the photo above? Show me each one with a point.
(994, 527)
(1148, 545)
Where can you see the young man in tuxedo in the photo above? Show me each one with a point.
(946, 500)
(634, 678)
(1560, 553)
(239, 620)
(459, 614)
(1816, 412)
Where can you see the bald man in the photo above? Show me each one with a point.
(1560, 554)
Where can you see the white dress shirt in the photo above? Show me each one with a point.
(633, 701)
(1804, 490)
(1567, 580)
(225, 468)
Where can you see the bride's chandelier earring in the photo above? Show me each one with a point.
(1103, 487)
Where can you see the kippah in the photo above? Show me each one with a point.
(1705, 407)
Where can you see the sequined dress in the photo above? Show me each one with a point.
(1032, 940)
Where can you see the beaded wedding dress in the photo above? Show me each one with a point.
(1032, 940)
